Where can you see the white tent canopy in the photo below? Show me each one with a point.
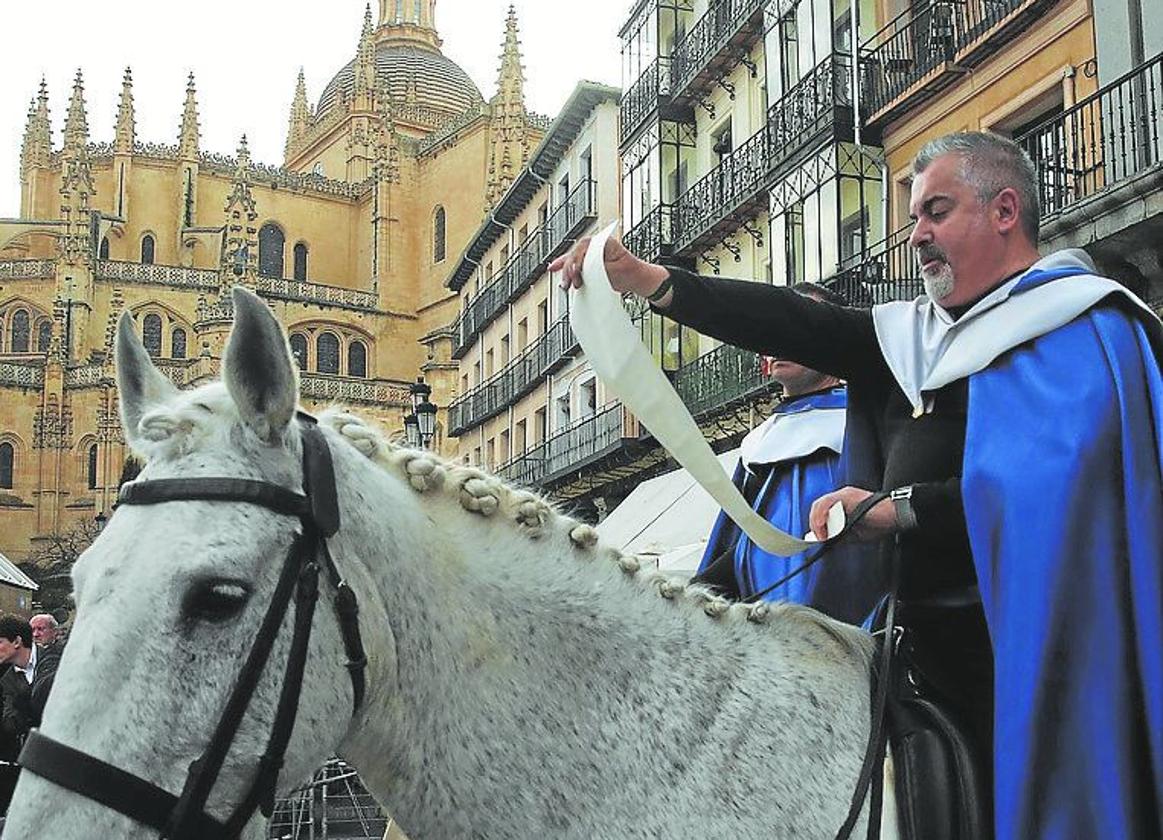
(668, 517)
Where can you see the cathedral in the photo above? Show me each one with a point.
(351, 240)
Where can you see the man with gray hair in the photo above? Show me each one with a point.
(44, 629)
(1015, 412)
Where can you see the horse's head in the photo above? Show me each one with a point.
(171, 596)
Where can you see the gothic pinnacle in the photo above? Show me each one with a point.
(37, 145)
(188, 135)
(76, 122)
(125, 131)
(365, 58)
(300, 121)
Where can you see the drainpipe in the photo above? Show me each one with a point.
(854, 23)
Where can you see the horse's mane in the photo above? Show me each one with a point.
(534, 517)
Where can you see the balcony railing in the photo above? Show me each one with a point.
(27, 269)
(16, 375)
(175, 276)
(644, 97)
(525, 266)
(376, 392)
(728, 28)
(569, 449)
(316, 293)
(1106, 139)
(929, 45)
(515, 380)
(652, 237)
(716, 379)
(723, 193)
(886, 271)
(809, 108)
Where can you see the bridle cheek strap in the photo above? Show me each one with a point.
(183, 817)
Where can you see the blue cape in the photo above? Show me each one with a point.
(843, 585)
(1065, 520)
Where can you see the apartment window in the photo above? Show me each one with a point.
(522, 334)
(476, 456)
(523, 234)
(543, 317)
(91, 467)
(542, 213)
(540, 425)
(491, 453)
(588, 398)
(503, 450)
(464, 383)
(504, 255)
(562, 412)
(586, 164)
(852, 234)
(7, 465)
(563, 190)
(271, 241)
(504, 350)
(489, 368)
(476, 373)
(721, 140)
(147, 245)
(519, 440)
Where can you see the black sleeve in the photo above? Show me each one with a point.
(937, 505)
(776, 321)
(46, 671)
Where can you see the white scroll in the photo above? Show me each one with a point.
(616, 353)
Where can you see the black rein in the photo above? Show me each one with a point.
(184, 817)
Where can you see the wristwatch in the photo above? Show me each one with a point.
(902, 503)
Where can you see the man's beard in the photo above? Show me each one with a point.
(939, 283)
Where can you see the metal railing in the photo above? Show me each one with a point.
(722, 376)
(515, 380)
(568, 449)
(739, 177)
(708, 38)
(885, 271)
(577, 210)
(652, 237)
(1108, 138)
(809, 107)
(926, 37)
(643, 97)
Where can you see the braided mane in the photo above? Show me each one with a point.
(535, 517)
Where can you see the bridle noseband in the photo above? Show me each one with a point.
(184, 817)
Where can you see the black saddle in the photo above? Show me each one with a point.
(939, 719)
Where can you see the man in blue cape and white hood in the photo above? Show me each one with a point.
(1016, 414)
(785, 464)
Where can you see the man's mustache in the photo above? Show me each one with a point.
(927, 253)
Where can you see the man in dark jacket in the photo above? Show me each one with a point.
(24, 689)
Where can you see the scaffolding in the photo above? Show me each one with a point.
(334, 805)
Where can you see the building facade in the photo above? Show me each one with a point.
(350, 240)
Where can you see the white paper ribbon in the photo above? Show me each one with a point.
(616, 353)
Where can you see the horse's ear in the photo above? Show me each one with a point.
(140, 385)
(257, 368)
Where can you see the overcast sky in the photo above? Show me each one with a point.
(245, 56)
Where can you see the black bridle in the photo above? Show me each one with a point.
(184, 817)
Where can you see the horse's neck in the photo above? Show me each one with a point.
(518, 658)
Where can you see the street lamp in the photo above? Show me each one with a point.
(412, 431)
(423, 411)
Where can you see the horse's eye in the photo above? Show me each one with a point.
(215, 600)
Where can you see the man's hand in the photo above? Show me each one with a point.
(877, 523)
(627, 273)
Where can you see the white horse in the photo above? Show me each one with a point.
(524, 681)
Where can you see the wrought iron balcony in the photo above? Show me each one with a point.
(1108, 139)
(569, 449)
(649, 93)
(579, 209)
(930, 45)
(886, 271)
(713, 46)
(652, 237)
(723, 199)
(722, 377)
(811, 109)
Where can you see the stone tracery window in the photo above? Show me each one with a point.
(91, 467)
(327, 353)
(151, 334)
(7, 465)
(103, 251)
(147, 248)
(178, 343)
(439, 222)
(271, 240)
(301, 262)
(20, 331)
(357, 359)
(299, 349)
(43, 336)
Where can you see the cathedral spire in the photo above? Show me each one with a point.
(509, 136)
(37, 144)
(300, 122)
(125, 132)
(365, 63)
(188, 136)
(76, 122)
